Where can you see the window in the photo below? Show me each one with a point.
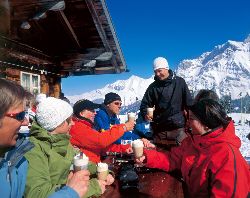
(30, 82)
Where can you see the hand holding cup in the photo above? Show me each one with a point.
(80, 162)
(130, 125)
(131, 117)
(137, 146)
(150, 114)
(102, 171)
(79, 181)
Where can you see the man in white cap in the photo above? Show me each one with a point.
(169, 96)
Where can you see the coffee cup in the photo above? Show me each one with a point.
(150, 112)
(102, 171)
(137, 146)
(131, 117)
(80, 162)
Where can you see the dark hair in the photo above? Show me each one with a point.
(206, 94)
(111, 97)
(11, 94)
(210, 113)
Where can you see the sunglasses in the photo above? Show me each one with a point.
(18, 116)
(118, 103)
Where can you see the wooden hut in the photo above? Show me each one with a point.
(42, 41)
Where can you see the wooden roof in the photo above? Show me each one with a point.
(70, 37)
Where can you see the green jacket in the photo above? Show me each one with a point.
(49, 164)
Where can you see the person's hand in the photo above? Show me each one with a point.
(147, 143)
(148, 118)
(79, 181)
(102, 185)
(110, 179)
(129, 150)
(140, 161)
(130, 125)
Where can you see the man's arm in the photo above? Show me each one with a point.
(147, 101)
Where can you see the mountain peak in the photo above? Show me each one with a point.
(225, 69)
(247, 40)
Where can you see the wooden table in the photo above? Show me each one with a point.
(153, 183)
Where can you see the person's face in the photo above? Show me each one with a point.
(64, 127)
(161, 73)
(197, 127)
(115, 106)
(10, 126)
(89, 114)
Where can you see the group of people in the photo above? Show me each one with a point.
(198, 135)
(206, 148)
(41, 165)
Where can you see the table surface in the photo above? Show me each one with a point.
(152, 183)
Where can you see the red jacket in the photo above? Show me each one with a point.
(92, 142)
(211, 165)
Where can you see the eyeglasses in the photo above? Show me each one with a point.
(18, 116)
(118, 103)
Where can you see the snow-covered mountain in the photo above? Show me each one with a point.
(225, 69)
(130, 90)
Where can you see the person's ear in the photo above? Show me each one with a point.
(82, 113)
(207, 129)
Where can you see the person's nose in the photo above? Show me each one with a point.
(25, 122)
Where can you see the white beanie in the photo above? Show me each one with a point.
(160, 63)
(40, 97)
(52, 112)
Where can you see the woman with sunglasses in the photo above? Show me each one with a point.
(106, 118)
(209, 159)
(13, 166)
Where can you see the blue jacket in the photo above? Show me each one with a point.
(13, 170)
(105, 119)
(143, 128)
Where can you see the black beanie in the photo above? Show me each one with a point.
(81, 105)
(111, 97)
(210, 113)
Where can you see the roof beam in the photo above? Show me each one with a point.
(101, 31)
(69, 28)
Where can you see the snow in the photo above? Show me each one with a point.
(242, 130)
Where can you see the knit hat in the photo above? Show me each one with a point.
(160, 63)
(111, 97)
(81, 105)
(40, 97)
(52, 112)
(210, 113)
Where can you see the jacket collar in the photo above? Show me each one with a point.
(219, 135)
(84, 121)
(167, 80)
(106, 109)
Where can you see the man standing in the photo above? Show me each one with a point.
(169, 95)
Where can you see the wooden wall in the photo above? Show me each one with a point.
(49, 85)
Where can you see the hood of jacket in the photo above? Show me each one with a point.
(57, 141)
(219, 135)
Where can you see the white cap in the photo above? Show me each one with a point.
(52, 112)
(160, 63)
(40, 97)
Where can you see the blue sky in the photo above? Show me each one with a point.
(177, 30)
